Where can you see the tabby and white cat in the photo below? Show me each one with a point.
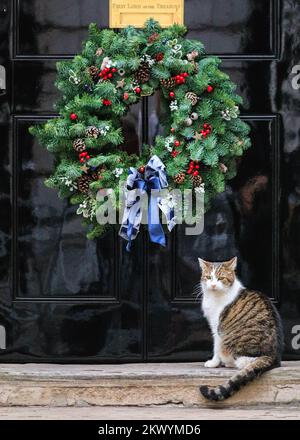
(246, 327)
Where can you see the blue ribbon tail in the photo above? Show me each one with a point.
(129, 234)
(128, 246)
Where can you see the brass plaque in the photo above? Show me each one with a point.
(135, 12)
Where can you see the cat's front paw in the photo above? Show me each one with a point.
(212, 363)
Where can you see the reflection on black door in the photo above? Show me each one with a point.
(66, 299)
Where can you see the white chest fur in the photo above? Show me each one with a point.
(213, 304)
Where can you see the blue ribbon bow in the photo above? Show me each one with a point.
(152, 182)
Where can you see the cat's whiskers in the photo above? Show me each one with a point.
(197, 291)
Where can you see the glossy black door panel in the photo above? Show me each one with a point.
(66, 299)
(34, 87)
(242, 222)
(233, 28)
(63, 298)
(52, 249)
(256, 83)
(42, 26)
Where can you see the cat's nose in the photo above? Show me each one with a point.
(213, 286)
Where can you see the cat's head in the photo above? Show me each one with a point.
(217, 277)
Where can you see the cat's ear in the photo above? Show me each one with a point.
(231, 264)
(203, 264)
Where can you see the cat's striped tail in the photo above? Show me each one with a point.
(253, 370)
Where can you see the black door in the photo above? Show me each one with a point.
(66, 299)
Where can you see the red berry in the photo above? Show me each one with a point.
(73, 116)
(159, 57)
(125, 96)
(113, 69)
(197, 167)
(82, 160)
(205, 125)
(137, 90)
(195, 173)
(110, 75)
(178, 81)
(141, 170)
(189, 171)
(177, 143)
(172, 95)
(185, 74)
(172, 129)
(88, 157)
(174, 153)
(210, 89)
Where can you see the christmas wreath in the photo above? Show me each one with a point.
(203, 131)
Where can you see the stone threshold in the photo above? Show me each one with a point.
(149, 413)
(139, 385)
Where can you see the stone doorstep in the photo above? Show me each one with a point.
(166, 412)
(139, 385)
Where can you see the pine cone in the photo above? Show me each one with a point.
(83, 183)
(192, 97)
(92, 131)
(169, 83)
(93, 72)
(79, 145)
(142, 75)
(179, 178)
(196, 180)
